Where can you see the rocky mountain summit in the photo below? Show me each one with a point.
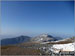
(44, 38)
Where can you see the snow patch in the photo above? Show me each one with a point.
(63, 47)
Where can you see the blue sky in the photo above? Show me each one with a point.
(37, 17)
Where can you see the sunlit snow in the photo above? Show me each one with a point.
(63, 47)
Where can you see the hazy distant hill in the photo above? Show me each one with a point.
(15, 40)
(45, 38)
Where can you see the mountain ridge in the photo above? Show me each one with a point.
(37, 39)
(15, 40)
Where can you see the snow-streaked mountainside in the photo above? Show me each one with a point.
(63, 41)
(71, 40)
(16, 40)
(45, 38)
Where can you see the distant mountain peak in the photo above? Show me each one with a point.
(43, 38)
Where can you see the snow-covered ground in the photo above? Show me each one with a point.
(63, 47)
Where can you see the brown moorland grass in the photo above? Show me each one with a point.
(15, 50)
